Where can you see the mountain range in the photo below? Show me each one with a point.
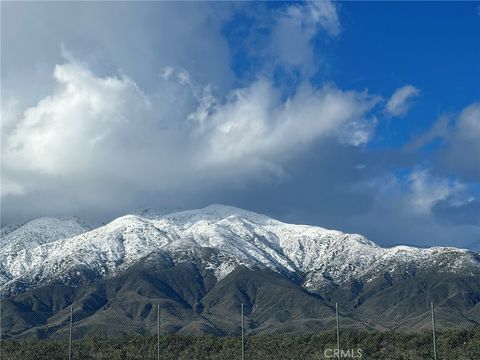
(200, 265)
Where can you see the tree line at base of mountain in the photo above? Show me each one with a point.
(453, 344)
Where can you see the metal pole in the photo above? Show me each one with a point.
(433, 332)
(70, 337)
(243, 337)
(158, 331)
(338, 327)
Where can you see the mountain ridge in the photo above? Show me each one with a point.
(322, 257)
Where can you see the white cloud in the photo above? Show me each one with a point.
(418, 192)
(294, 28)
(324, 13)
(65, 132)
(256, 125)
(104, 131)
(400, 102)
(426, 190)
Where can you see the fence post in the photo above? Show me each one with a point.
(70, 335)
(338, 327)
(433, 332)
(243, 337)
(158, 331)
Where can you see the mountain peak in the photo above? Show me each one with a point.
(215, 213)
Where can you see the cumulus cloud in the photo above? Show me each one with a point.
(256, 124)
(62, 134)
(99, 130)
(400, 102)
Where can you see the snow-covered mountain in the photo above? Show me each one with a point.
(41, 231)
(48, 249)
(17, 242)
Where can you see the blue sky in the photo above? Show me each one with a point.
(434, 46)
(359, 116)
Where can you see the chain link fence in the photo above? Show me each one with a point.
(165, 333)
